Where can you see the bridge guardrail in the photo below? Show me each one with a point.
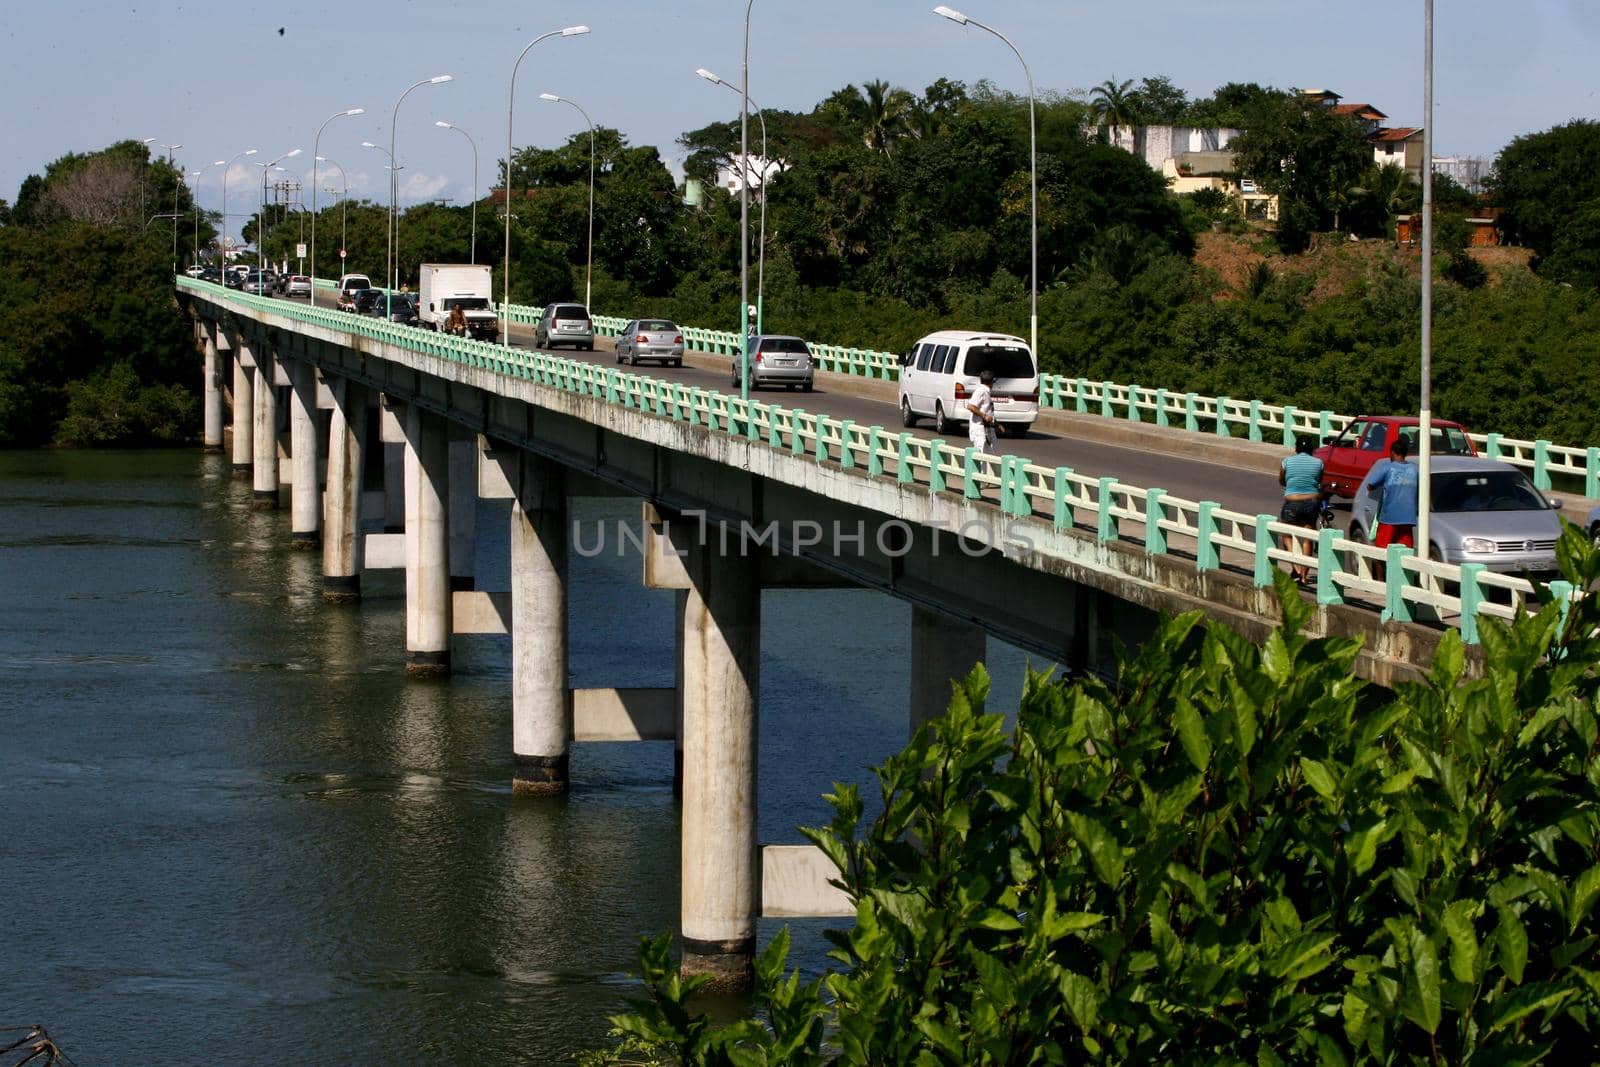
(1412, 588)
(1219, 415)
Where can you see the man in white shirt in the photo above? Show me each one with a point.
(980, 430)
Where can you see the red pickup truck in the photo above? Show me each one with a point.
(1348, 457)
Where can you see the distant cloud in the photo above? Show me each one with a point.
(418, 186)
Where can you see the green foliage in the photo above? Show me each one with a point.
(1227, 853)
(1542, 180)
(111, 407)
(1312, 158)
(77, 300)
(1465, 271)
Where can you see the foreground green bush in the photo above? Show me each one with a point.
(1229, 854)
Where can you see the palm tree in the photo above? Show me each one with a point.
(1114, 105)
(883, 113)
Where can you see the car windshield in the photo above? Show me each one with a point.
(1466, 491)
(784, 344)
(1007, 361)
(656, 324)
(1447, 440)
(466, 303)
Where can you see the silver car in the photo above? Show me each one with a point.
(1483, 511)
(564, 324)
(776, 360)
(657, 339)
(297, 285)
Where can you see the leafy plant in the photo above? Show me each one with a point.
(1227, 853)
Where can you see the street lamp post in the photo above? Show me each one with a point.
(505, 303)
(194, 213)
(588, 267)
(744, 214)
(1424, 414)
(1033, 174)
(315, 159)
(227, 165)
(345, 183)
(144, 165)
(170, 149)
(450, 126)
(394, 252)
(261, 219)
(761, 239)
(392, 170)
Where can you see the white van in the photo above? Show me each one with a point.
(941, 370)
(349, 283)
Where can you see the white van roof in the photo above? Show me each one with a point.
(946, 337)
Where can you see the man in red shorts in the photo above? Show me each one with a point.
(1396, 479)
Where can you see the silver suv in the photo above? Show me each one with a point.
(564, 324)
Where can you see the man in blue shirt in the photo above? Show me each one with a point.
(1396, 479)
(1301, 477)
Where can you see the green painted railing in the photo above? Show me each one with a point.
(1203, 533)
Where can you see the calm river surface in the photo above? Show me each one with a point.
(233, 833)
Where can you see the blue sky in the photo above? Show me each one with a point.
(218, 77)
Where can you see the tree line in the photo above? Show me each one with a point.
(892, 213)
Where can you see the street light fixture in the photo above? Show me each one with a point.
(261, 219)
(394, 252)
(588, 267)
(227, 165)
(315, 159)
(343, 196)
(451, 126)
(505, 303)
(1033, 173)
(761, 239)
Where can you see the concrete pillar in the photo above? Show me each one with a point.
(266, 431)
(464, 452)
(394, 486)
(244, 414)
(341, 533)
(721, 891)
(679, 608)
(427, 544)
(213, 389)
(541, 702)
(305, 514)
(942, 649)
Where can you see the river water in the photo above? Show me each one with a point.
(234, 833)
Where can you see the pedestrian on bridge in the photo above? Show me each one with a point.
(980, 408)
(1397, 480)
(1300, 474)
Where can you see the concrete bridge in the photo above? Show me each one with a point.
(736, 497)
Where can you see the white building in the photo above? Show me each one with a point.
(757, 169)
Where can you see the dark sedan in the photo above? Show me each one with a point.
(401, 307)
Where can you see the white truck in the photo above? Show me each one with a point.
(446, 286)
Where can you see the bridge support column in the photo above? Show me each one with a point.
(541, 703)
(244, 415)
(464, 452)
(341, 537)
(305, 522)
(427, 544)
(942, 649)
(721, 889)
(391, 433)
(266, 431)
(212, 441)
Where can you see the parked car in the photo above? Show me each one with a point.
(401, 307)
(1348, 457)
(657, 339)
(194, 270)
(776, 360)
(940, 371)
(297, 285)
(564, 324)
(1483, 511)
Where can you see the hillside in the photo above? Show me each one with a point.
(1337, 264)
